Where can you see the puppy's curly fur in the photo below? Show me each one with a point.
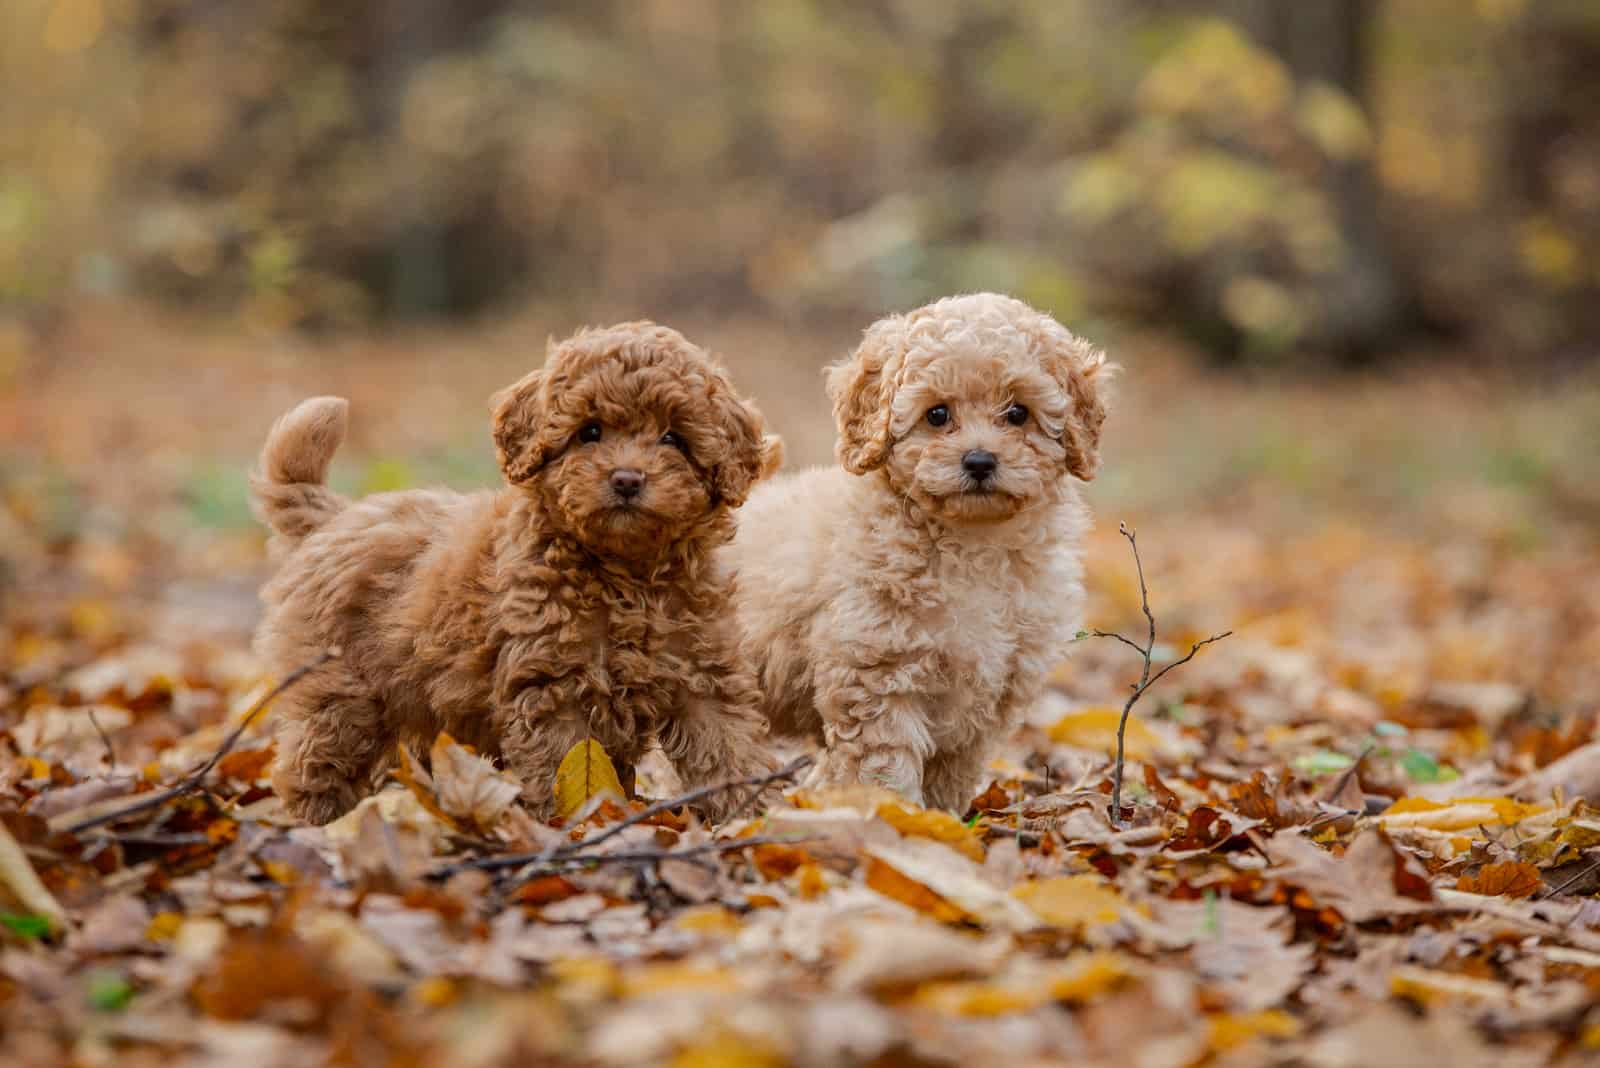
(902, 608)
(575, 602)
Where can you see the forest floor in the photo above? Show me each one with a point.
(1355, 831)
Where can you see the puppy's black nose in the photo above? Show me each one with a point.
(980, 464)
(627, 483)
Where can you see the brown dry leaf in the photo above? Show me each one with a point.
(469, 787)
(938, 825)
(1372, 880)
(586, 772)
(885, 953)
(1512, 878)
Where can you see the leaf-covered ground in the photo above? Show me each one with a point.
(1356, 830)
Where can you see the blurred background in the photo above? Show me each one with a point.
(1265, 179)
(1347, 252)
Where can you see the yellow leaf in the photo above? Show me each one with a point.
(1071, 901)
(585, 978)
(1460, 814)
(708, 919)
(1088, 976)
(586, 772)
(1096, 728)
(163, 926)
(1235, 1029)
(938, 825)
(679, 977)
(434, 992)
(978, 998)
(728, 1051)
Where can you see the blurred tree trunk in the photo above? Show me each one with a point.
(1367, 300)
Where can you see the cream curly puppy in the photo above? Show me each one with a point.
(905, 607)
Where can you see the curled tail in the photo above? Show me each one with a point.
(287, 484)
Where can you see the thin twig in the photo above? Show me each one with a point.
(560, 850)
(105, 739)
(192, 780)
(788, 771)
(1587, 869)
(1146, 680)
(537, 863)
(1129, 642)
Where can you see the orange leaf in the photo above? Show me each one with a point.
(776, 860)
(890, 883)
(1513, 878)
(938, 825)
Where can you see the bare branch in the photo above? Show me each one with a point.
(1129, 642)
(1195, 648)
(788, 771)
(537, 863)
(193, 780)
(1146, 680)
(105, 739)
(563, 851)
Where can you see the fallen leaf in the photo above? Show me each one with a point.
(939, 826)
(586, 772)
(1228, 1030)
(934, 878)
(470, 788)
(1512, 878)
(1072, 901)
(1457, 815)
(1372, 880)
(20, 886)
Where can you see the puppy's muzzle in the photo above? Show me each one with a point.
(980, 465)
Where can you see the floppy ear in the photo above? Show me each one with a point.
(750, 455)
(1084, 376)
(861, 397)
(517, 420)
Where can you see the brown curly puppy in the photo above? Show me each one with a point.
(906, 608)
(580, 601)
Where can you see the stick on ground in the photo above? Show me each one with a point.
(1146, 679)
(562, 851)
(193, 780)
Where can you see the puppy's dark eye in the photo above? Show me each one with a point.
(671, 438)
(938, 415)
(1016, 415)
(589, 433)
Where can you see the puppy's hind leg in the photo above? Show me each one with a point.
(329, 747)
